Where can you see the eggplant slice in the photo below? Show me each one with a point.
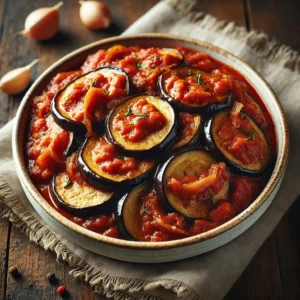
(128, 216)
(189, 163)
(78, 197)
(153, 143)
(85, 86)
(93, 173)
(190, 131)
(200, 80)
(171, 51)
(217, 144)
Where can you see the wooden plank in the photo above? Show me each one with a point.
(288, 248)
(4, 225)
(34, 265)
(261, 279)
(280, 19)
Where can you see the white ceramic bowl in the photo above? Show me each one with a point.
(145, 251)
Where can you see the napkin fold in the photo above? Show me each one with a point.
(188, 279)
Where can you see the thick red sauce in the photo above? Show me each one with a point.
(110, 161)
(197, 89)
(241, 140)
(46, 145)
(84, 96)
(139, 121)
(201, 192)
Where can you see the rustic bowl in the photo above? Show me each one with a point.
(147, 252)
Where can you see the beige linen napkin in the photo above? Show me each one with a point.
(191, 278)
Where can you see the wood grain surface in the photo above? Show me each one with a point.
(274, 272)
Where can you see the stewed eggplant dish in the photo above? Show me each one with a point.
(150, 144)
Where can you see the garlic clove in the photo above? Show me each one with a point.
(95, 14)
(42, 23)
(17, 80)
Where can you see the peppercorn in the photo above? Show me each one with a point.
(52, 278)
(14, 272)
(62, 291)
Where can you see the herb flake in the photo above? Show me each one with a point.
(139, 64)
(129, 112)
(249, 134)
(121, 157)
(198, 79)
(140, 117)
(145, 211)
(212, 200)
(105, 92)
(95, 81)
(68, 183)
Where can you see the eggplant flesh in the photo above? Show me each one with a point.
(153, 143)
(183, 71)
(79, 198)
(193, 139)
(191, 162)
(92, 173)
(63, 118)
(128, 214)
(216, 145)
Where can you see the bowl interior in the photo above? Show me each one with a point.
(77, 57)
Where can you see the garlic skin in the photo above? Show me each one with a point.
(43, 23)
(17, 80)
(95, 14)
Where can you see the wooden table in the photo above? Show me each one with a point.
(274, 272)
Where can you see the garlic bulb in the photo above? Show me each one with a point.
(42, 23)
(17, 80)
(94, 14)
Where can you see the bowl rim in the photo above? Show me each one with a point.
(42, 202)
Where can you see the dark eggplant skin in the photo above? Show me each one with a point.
(120, 207)
(158, 149)
(104, 183)
(158, 184)
(194, 142)
(82, 212)
(77, 140)
(78, 127)
(213, 148)
(206, 111)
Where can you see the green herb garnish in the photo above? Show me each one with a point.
(67, 100)
(95, 81)
(212, 200)
(247, 133)
(139, 117)
(190, 73)
(145, 211)
(105, 92)
(121, 157)
(198, 79)
(139, 64)
(154, 57)
(129, 112)
(68, 183)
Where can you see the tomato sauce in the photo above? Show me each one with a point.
(197, 89)
(241, 140)
(110, 161)
(47, 144)
(93, 96)
(139, 121)
(188, 129)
